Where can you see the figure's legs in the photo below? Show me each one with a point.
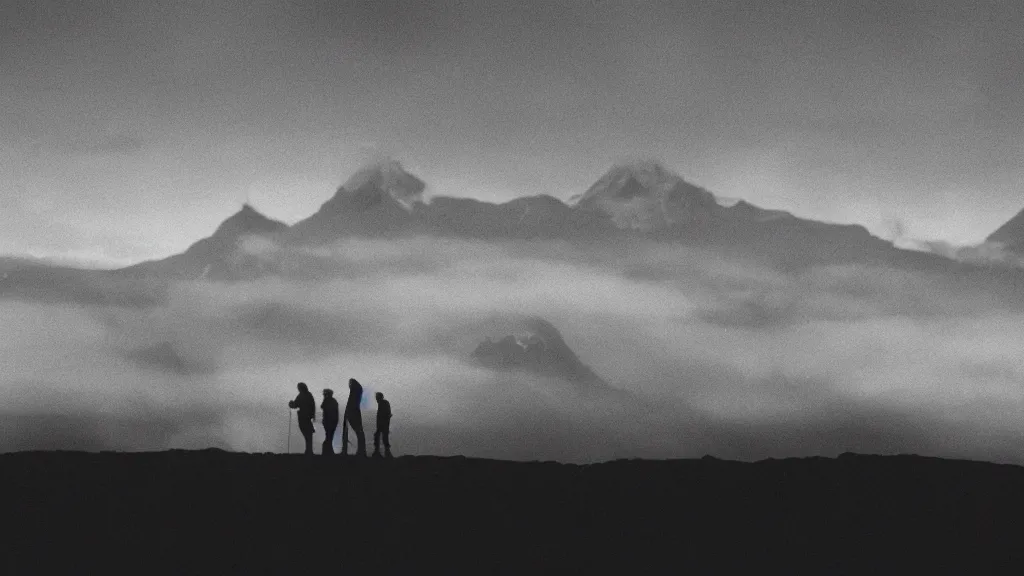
(386, 433)
(356, 420)
(328, 447)
(307, 434)
(376, 442)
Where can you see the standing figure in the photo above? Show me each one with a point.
(353, 418)
(307, 414)
(383, 426)
(329, 418)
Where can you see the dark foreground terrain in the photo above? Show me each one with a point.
(218, 512)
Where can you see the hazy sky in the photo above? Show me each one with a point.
(131, 129)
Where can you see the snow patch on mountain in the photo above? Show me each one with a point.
(537, 348)
(646, 196)
(390, 178)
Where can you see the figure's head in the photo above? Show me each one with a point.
(379, 396)
(302, 387)
(352, 383)
(328, 392)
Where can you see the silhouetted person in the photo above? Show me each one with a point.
(307, 414)
(329, 418)
(383, 426)
(353, 418)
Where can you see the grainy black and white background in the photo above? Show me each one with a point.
(130, 131)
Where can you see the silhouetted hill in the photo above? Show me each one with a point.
(219, 512)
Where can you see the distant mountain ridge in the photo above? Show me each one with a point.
(634, 200)
(640, 201)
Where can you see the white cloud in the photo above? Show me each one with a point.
(732, 358)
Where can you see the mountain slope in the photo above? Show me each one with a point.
(652, 202)
(1010, 234)
(38, 281)
(376, 201)
(221, 256)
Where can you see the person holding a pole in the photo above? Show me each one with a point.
(307, 414)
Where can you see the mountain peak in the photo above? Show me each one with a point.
(248, 220)
(219, 256)
(645, 195)
(536, 347)
(648, 174)
(386, 177)
(378, 200)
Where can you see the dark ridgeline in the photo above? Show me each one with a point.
(217, 512)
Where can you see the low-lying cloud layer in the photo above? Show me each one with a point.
(721, 356)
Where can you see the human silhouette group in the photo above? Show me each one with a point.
(306, 406)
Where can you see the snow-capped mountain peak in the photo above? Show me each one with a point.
(647, 196)
(387, 177)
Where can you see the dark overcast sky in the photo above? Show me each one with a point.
(131, 129)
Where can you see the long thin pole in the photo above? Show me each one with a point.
(344, 435)
(289, 430)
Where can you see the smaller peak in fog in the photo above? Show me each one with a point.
(248, 220)
(535, 346)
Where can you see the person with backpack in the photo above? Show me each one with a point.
(307, 414)
(329, 418)
(383, 427)
(353, 418)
